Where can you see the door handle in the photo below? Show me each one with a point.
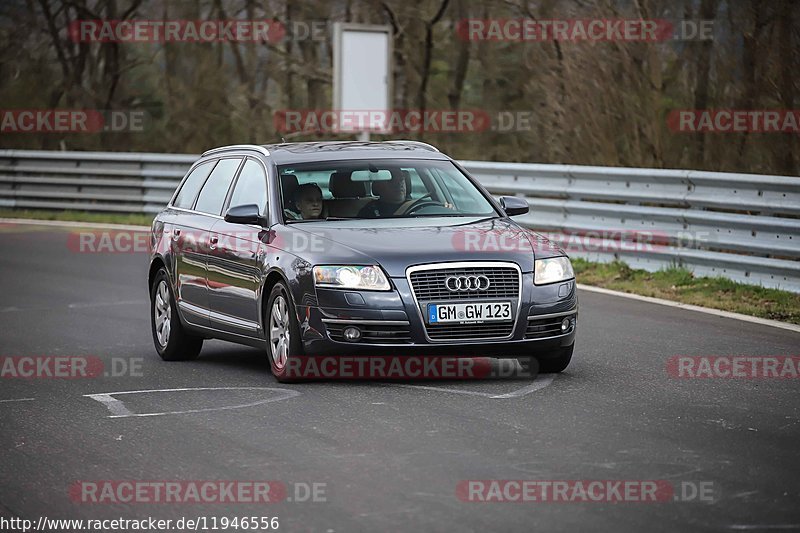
(176, 233)
(212, 242)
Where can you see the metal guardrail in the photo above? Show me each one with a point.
(745, 227)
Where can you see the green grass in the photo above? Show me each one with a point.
(79, 216)
(681, 285)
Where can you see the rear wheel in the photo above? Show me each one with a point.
(283, 334)
(173, 342)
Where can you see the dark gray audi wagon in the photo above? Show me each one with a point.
(354, 248)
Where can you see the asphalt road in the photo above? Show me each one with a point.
(390, 455)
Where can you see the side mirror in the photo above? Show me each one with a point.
(513, 205)
(245, 214)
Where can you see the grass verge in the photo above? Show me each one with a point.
(80, 216)
(680, 285)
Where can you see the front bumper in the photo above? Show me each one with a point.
(393, 326)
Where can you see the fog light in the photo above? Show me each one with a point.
(352, 334)
(565, 324)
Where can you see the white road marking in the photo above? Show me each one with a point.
(538, 384)
(71, 224)
(440, 389)
(690, 307)
(116, 407)
(119, 410)
(18, 400)
(747, 527)
(76, 305)
(82, 305)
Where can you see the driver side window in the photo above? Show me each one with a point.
(461, 199)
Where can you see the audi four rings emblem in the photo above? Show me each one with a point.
(467, 283)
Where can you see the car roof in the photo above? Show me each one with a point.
(303, 152)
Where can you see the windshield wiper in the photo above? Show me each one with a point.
(432, 215)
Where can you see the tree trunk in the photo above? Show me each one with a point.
(788, 67)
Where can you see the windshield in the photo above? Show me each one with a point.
(384, 188)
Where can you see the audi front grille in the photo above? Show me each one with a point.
(429, 284)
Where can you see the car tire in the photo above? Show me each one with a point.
(557, 361)
(529, 367)
(282, 332)
(172, 341)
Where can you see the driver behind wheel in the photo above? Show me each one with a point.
(391, 196)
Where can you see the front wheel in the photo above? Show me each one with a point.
(283, 335)
(172, 341)
(557, 361)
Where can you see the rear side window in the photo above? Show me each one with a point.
(192, 184)
(251, 187)
(213, 194)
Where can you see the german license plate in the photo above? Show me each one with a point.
(469, 312)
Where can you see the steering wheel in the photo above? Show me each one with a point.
(419, 203)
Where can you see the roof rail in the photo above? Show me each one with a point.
(255, 147)
(416, 143)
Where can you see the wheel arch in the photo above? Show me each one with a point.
(274, 275)
(155, 265)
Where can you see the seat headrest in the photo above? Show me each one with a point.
(342, 185)
(289, 182)
(379, 187)
(289, 185)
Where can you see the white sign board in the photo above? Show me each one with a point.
(362, 74)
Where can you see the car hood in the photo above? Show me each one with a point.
(396, 244)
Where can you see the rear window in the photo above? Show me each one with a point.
(212, 197)
(192, 184)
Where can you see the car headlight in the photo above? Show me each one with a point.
(369, 278)
(551, 270)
